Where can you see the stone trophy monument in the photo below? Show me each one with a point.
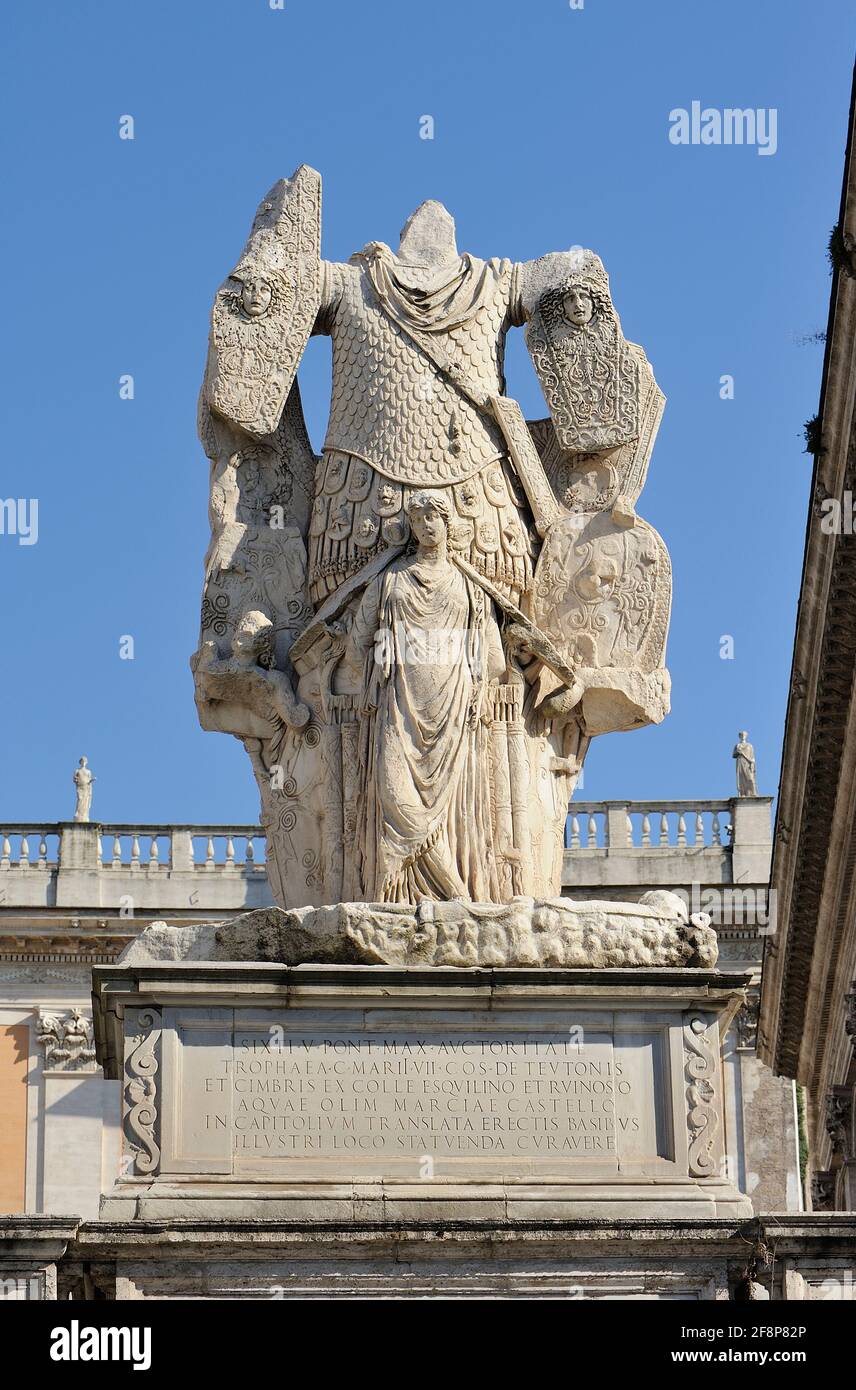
(417, 709)
(416, 635)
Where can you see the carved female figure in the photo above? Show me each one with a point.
(82, 779)
(744, 754)
(428, 645)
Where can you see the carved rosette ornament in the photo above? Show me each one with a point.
(141, 1114)
(701, 1061)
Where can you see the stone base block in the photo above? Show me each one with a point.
(335, 1094)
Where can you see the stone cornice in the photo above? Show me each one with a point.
(804, 1234)
(814, 856)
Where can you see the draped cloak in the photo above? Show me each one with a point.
(424, 821)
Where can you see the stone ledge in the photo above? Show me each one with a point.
(453, 1199)
(556, 932)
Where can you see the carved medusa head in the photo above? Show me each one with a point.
(581, 302)
(255, 291)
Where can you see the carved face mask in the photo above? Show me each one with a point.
(577, 306)
(256, 296)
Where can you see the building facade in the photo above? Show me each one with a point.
(808, 1015)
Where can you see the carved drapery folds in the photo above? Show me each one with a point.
(701, 1061)
(141, 1098)
(538, 516)
(66, 1039)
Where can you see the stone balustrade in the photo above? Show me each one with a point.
(197, 871)
(648, 825)
(124, 874)
(626, 847)
(26, 846)
(37, 846)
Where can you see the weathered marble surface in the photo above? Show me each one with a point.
(744, 756)
(328, 1092)
(506, 1257)
(82, 778)
(408, 773)
(557, 932)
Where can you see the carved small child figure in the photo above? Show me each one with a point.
(248, 671)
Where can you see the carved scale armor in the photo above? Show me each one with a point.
(388, 393)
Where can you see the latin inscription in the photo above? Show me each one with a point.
(329, 1095)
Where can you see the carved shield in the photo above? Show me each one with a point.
(603, 592)
(264, 312)
(588, 372)
(593, 482)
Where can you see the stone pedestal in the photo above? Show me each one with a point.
(332, 1094)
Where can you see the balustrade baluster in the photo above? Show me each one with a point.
(646, 832)
(682, 831)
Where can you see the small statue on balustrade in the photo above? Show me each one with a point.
(83, 780)
(744, 754)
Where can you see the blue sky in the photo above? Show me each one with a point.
(551, 129)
